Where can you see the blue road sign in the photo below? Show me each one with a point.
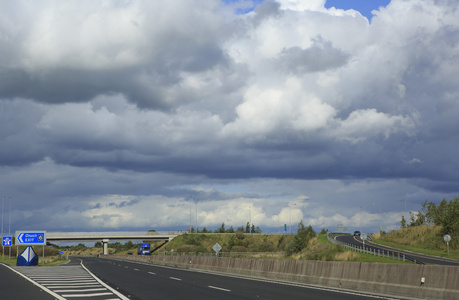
(30, 238)
(7, 241)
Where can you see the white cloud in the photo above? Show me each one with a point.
(100, 99)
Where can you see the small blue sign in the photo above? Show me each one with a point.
(31, 238)
(7, 241)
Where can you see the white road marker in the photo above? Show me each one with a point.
(218, 288)
(175, 278)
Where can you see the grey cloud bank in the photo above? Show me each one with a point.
(124, 115)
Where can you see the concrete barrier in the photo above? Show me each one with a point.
(441, 282)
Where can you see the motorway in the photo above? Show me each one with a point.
(414, 257)
(130, 280)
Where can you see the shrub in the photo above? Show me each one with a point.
(239, 249)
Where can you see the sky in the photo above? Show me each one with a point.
(137, 115)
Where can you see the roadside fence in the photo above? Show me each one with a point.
(392, 254)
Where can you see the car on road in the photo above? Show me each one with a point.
(356, 233)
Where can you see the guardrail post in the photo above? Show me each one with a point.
(403, 257)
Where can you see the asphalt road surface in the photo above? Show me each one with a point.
(141, 281)
(117, 279)
(415, 257)
(13, 286)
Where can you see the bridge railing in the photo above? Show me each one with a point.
(392, 254)
(113, 233)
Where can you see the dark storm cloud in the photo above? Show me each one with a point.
(45, 64)
(125, 110)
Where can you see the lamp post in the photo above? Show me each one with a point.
(379, 216)
(277, 223)
(404, 200)
(190, 212)
(291, 218)
(196, 198)
(250, 224)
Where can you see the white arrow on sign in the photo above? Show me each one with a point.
(20, 238)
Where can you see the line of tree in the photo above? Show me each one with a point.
(223, 229)
(446, 214)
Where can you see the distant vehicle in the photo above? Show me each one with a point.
(143, 249)
(356, 233)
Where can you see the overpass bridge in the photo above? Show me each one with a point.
(105, 237)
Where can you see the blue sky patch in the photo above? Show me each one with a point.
(363, 6)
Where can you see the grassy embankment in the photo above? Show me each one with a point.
(52, 256)
(422, 239)
(426, 239)
(318, 248)
(49, 260)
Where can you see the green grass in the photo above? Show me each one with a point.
(12, 262)
(419, 249)
(322, 239)
(365, 257)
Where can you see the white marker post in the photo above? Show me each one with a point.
(447, 238)
(363, 237)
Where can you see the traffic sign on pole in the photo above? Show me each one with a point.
(7, 241)
(30, 238)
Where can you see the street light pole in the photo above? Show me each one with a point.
(196, 214)
(190, 212)
(274, 215)
(9, 221)
(250, 225)
(3, 202)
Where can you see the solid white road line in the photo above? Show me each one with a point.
(218, 288)
(55, 295)
(80, 290)
(175, 278)
(86, 295)
(104, 284)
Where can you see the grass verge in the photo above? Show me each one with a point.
(435, 252)
(48, 261)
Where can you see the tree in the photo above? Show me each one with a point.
(221, 229)
(403, 222)
(301, 239)
(417, 219)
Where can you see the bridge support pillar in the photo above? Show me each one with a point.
(105, 242)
